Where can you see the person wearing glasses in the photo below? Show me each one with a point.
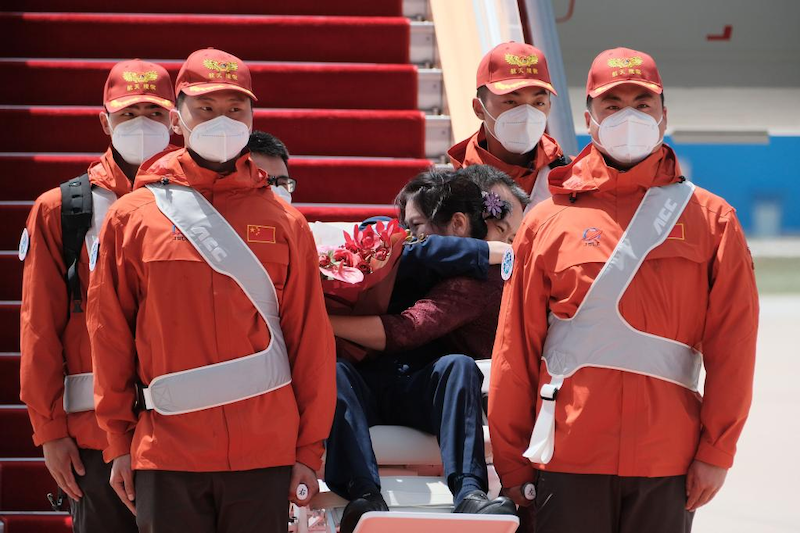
(271, 156)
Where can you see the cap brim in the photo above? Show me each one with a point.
(205, 88)
(125, 101)
(594, 93)
(508, 86)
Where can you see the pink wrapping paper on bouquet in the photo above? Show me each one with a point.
(358, 276)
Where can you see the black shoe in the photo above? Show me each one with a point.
(352, 513)
(476, 502)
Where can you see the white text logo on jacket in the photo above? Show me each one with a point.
(663, 216)
(209, 242)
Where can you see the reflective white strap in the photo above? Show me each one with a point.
(541, 189)
(543, 438)
(224, 250)
(79, 393)
(101, 202)
(214, 385)
(549, 392)
(147, 394)
(597, 335)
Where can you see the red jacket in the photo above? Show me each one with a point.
(697, 288)
(472, 152)
(52, 341)
(156, 307)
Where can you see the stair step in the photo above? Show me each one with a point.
(320, 179)
(431, 90)
(306, 131)
(35, 522)
(9, 326)
(345, 212)
(422, 43)
(9, 378)
(383, 8)
(329, 180)
(415, 9)
(13, 215)
(250, 37)
(277, 85)
(17, 431)
(438, 137)
(11, 287)
(24, 484)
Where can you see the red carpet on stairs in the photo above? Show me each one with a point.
(16, 441)
(24, 485)
(9, 380)
(10, 289)
(306, 131)
(263, 38)
(334, 83)
(12, 216)
(37, 523)
(9, 332)
(329, 180)
(361, 8)
(284, 85)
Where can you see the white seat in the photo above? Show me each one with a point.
(485, 366)
(404, 446)
(400, 445)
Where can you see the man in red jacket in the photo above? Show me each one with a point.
(619, 282)
(54, 343)
(205, 288)
(513, 101)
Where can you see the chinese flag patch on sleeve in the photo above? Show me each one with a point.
(262, 234)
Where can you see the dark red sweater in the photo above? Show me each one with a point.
(460, 313)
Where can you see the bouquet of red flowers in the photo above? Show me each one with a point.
(358, 276)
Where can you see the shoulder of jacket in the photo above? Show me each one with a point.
(545, 214)
(129, 204)
(50, 199)
(47, 206)
(293, 218)
(712, 205)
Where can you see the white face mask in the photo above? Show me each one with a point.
(518, 129)
(219, 139)
(628, 136)
(282, 193)
(139, 139)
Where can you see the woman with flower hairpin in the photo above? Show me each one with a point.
(424, 375)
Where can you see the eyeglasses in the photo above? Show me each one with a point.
(283, 181)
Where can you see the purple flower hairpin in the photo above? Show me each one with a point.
(492, 205)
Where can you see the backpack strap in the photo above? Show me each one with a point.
(562, 161)
(76, 219)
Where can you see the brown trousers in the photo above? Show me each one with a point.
(100, 510)
(208, 502)
(586, 503)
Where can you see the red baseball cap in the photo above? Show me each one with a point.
(210, 70)
(511, 66)
(619, 66)
(136, 81)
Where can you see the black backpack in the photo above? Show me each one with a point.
(76, 219)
